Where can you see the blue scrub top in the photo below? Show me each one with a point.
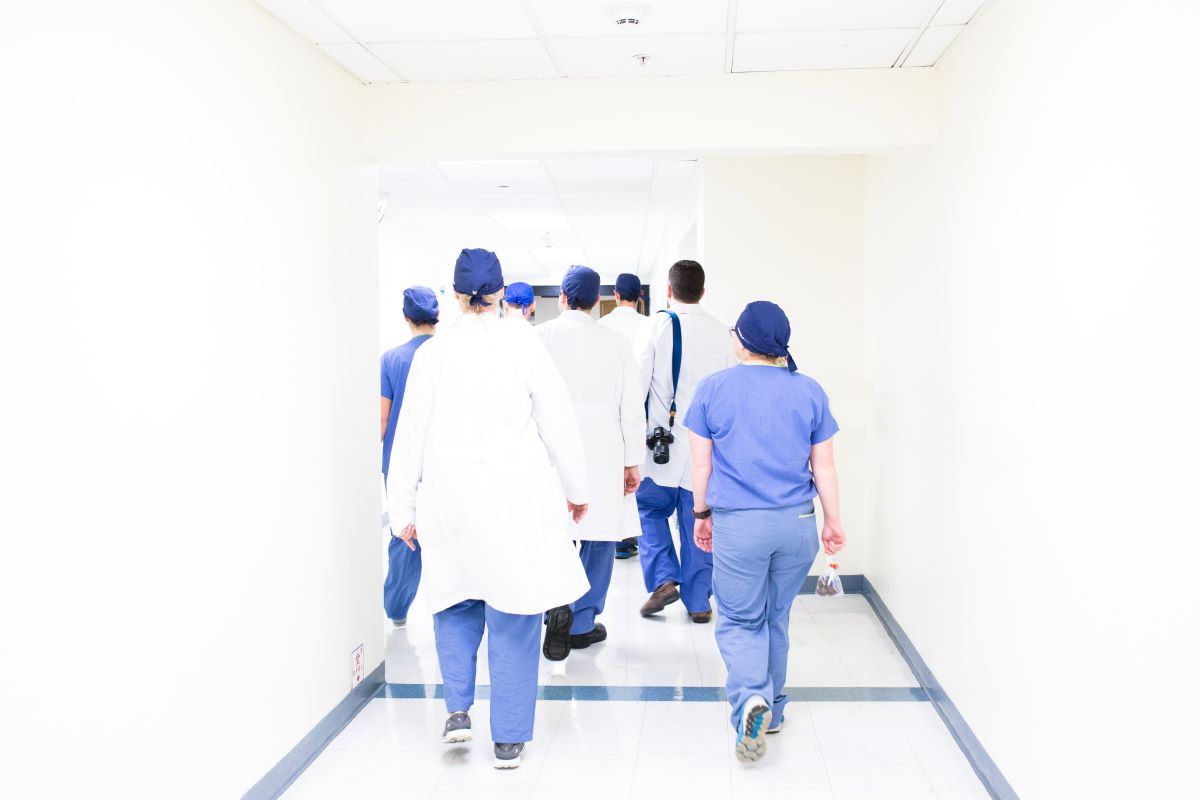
(393, 374)
(763, 422)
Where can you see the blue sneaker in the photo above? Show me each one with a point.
(627, 549)
(752, 727)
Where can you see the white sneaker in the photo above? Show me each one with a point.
(751, 730)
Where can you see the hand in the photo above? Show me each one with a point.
(408, 535)
(633, 479)
(577, 510)
(833, 536)
(702, 534)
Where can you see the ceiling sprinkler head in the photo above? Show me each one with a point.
(641, 58)
(628, 15)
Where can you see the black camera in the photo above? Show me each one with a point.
(660, 442)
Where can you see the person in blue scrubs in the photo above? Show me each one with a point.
(519, 300)
(762, 452)
(404, 564)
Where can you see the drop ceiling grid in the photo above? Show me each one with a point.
(611, 214)
(455, 40)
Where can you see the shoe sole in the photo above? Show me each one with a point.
(557, 645)
(752, 744)
(511, 763)
(587, 644)
(457, 737)
(647, 611)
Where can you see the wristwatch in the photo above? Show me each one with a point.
(702, 514)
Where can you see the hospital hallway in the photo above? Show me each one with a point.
(260, 257)
(644, 714)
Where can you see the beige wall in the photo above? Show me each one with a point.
(190, 461)
(790, 230)
(847, 111)
(1031, 348)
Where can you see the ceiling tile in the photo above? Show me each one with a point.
(830, 15)
(559, 18)
(430, 20)
(306, 20)
(518, 202)
(957, 12)
(498, 176)
(598, 175)
(932, 44)
(615, 55)
(513, 59)
(415, 179)
(358, 62)
(767, 52)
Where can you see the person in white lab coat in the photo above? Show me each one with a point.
(602, 378)
(667, 487)
(626, 320)
(487, 423)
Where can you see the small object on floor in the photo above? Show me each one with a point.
(579, 641)
(662, 597)
(557, 645)
(458, 728)
(508, 756)
(777, 729)
(700, 617)
(400, 623)
(627, 549)
(751, 740)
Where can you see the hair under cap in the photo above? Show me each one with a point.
(477, 274)
(764, 329)
(581, 285)
(628, 286)
(519, 294)
(420, 304)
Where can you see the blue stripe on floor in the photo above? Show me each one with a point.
(711, 694)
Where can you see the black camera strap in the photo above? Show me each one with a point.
(676, 361)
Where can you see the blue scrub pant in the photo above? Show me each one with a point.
(760, 560)
(403, 577)
(692, 569)
(597, 558)
(513, 649)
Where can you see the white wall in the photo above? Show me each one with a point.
(1031, 343)
(846, 111)
(189, 424)
(790, 230)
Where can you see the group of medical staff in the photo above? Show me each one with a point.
(520, 461)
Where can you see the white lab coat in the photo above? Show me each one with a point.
(487, 451)
(602, 377)
(625, 321)
(707, 348)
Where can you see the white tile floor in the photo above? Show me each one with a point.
(634, 749)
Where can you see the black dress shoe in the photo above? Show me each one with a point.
(557, 645)
(581, 640)
(663, 596)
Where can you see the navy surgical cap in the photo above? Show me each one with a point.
(581, 286)
(477, 273)
(519, 294)
(764, 329)
(420, 304)
(628, 286)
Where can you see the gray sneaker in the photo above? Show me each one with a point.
(508, 756)
(400, 623)
(458, 728)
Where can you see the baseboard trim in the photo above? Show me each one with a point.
(285, 773)
(989, 774)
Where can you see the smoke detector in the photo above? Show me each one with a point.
(628, 15)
